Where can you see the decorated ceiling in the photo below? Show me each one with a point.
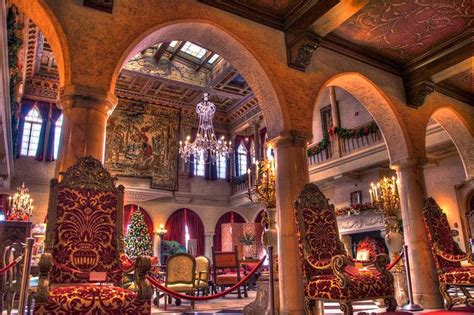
(405, 29)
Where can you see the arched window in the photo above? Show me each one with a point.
(221, 166)
(199, 165)
(183, 225)
(241, 160)
(57, 135)
(31, 133)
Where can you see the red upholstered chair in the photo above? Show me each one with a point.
(448, 256)
(83, 246)
(328, 273)
(227, 269)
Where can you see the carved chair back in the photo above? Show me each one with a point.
(180, 269)
(203, 266)
(439, 234)
(318, 233)
(84, 231)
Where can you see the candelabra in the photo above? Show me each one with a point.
(21, 205)
(265, 188)
(384, 195)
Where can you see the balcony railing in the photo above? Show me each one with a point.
(341, 142)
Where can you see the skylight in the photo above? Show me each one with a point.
(193, 50)
(173, 43)
(213, 58)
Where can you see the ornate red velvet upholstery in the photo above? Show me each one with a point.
(327, 270)
(93, 299)
(83, 236)
(227, 270)
(447, 256)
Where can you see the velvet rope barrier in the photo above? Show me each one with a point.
(395, 261)
(11, 265)
(178, 295)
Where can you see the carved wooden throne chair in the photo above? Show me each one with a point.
(80, 271)
(448, 256)
(328, 273)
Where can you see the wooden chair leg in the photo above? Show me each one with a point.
(308, 306)
(245, 291)
(390, 304)
(346, 308)
(166, 301)
(448, 301)
(239, 295)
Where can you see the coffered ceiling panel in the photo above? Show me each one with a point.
(402, 30)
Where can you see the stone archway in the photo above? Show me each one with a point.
(378, 105)
(458, 129)
(40, 13)
(210, 36)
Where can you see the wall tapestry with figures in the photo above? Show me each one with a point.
(142, 141)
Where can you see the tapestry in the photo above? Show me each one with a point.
(142, 141)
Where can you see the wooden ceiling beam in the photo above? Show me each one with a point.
(178, 49)
(336, 16)
(161, 51)
(426, 76)
(209, 55)
(296, 27)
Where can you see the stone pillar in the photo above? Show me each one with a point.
(256, 139)
(86, 111)
(412, 196)
(336, 122)
(291, 176)
(208, 243)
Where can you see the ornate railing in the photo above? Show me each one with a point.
(343, 141)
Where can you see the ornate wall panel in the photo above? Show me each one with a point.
(142, 141)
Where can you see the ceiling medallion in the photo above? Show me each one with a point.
(205, 144)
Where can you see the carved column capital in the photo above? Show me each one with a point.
(291, 138)
(84, 96)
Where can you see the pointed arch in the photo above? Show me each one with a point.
(380, 108)
(461, 135)
(223, 42)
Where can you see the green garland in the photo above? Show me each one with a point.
(14, 45)
(347, 133)
(320, 146)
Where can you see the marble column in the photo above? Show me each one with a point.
(336, 122)
(86, 111)
(291, 176)
(208, 243)
(412, 196)
(256, 139)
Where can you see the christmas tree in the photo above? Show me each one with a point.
(137, 239)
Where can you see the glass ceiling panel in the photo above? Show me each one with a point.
(193, 50)
(213, 58)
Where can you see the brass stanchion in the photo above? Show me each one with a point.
(271, 279)
(25, 275)
(411, 306)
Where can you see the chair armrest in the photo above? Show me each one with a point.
(338, 265)
(381, 263)
(45, 265)
(449, 256)
(142, 268)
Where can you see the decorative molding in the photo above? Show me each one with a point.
(304, 54)
(360, 223)
(416, 95)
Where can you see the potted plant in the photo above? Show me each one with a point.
(248, 241)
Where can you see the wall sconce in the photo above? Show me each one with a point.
(162, 231)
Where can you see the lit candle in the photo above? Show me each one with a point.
(249, 179)
(371, 197)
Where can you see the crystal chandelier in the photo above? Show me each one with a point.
(21, 205)
(205, 144)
